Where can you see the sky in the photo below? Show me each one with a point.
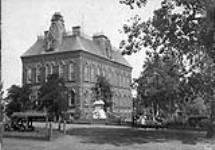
(24, 20)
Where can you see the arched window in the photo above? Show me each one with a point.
(55, 69)
(29, 75)
(71, 98)
(71, 71)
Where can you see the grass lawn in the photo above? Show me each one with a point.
(79, 138)
(124, 137)
(37, 134)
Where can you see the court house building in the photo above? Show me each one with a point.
(79, 59)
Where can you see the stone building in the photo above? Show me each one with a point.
(79, 59)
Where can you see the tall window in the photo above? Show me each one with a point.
(29, 75)
(103, 72)
(38, 73)
(71, 72)
(92, 73)
(55, 69)
(48, 71)
(85, 97)
(71, 98)
(86, 72)
(98, 71)
(61, 70)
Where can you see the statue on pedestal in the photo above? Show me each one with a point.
(99, 112)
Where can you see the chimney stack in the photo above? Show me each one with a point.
(76, 30)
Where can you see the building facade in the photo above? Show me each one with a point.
(78, 59)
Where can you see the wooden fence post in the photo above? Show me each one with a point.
(64, 126)
(50, 131)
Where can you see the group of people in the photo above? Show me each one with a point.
(138, 120)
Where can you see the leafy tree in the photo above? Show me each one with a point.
(183, 29)
(18, 98)
(157, 87)
(196, 107)
(178, 27)
(102, 90)
(52, 96)
(1, 102)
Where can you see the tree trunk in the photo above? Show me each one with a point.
(153, 111)
(210, 130)
(59, 123)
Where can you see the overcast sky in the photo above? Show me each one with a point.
(24, 20)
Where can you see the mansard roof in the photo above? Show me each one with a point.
(71, 43)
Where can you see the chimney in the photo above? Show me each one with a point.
(45, 34)
(103, 42)
(76, 30)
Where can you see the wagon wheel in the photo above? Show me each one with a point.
(22, 127)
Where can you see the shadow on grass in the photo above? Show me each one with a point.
(123, 137)
(38, 134)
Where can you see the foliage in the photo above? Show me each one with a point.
(196, 107)
(158, 84)
(102, 90)
(18, 98)
(178, 43)
(52, 96)
(178, 27)
(1, 102)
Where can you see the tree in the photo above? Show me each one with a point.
(196, 107)
(53, 97)
(102, 90)
(157, 86)
(185, 30)
(1, 117)
(18, 98)
(179, 27)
